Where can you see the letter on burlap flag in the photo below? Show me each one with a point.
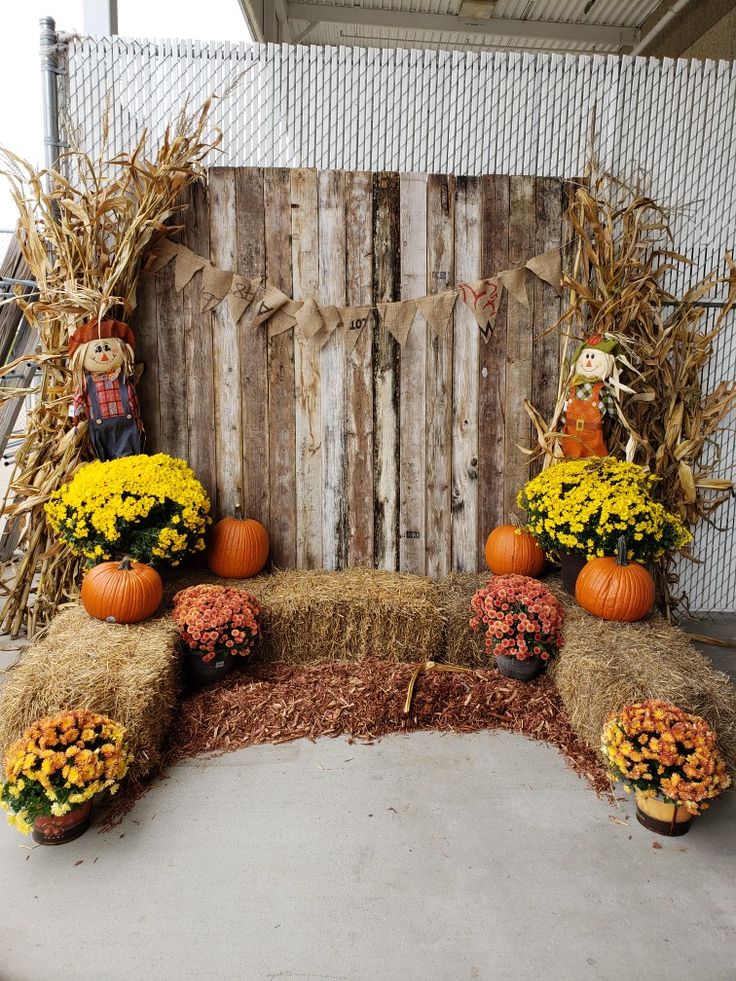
(309, 320)
(215, 286)
(515, 282)
(284, 318)
(548, 266)
(241, 295)
(161, 255)
(482, 299)
(271, 301)
(398, 318)
(354, 321)
(437, 310)
(186, 265)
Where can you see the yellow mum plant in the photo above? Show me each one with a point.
(660, 750)
(584, 506)
(149, 507)
(61, 762)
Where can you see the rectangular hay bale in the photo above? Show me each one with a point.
(128, 672)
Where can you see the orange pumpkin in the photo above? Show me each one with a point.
(613, 588)
(237, 548)
(122, 592)
(513, 551)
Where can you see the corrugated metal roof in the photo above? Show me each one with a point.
(604, 13)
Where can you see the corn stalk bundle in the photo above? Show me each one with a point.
(84, 243)
(670, 424)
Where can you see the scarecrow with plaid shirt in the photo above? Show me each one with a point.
(102, 367)
(589, 399)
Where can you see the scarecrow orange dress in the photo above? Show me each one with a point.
(582, 433)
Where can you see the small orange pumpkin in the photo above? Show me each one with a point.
(122, 592)
(613, 588)
(513, 551)
(237, 548)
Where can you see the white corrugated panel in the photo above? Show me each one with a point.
(668, 123)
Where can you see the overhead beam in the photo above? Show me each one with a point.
(448, 23)
(266, 20)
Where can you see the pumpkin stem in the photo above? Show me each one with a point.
(621, 557)
(126, 564)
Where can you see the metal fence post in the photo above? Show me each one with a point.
(49, 71)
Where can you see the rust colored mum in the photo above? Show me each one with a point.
(217, 618)
(658, 749)
(522, 618)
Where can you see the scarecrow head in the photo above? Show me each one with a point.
(98, 347)
(594, 358)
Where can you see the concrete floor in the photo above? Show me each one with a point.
(421, 857)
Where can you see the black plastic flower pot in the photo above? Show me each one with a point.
(571, 565)
(199, 672)
(526, 670)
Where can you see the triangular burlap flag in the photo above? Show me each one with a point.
(354, 321)
(241, 295)
(330, 322)
(186, 265)
(161, 255)
(437, 310)
(215, 286)
(271, 301)
(548, 267)
(284, 318)
(308, 319)
(398, 318)
(515, 282)
(482, 299)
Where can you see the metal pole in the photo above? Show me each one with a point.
(49, 71)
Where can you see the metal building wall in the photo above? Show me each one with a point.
(667, 123)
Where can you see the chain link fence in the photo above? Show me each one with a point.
(666, 124)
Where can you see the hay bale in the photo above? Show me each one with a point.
(462, 645)
(311, 616)
(130, 673)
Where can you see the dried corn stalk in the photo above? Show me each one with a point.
(670, 425)
(84, 242)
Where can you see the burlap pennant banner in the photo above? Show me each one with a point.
(162, 254)
(482, 298)
(215, 286)
(271, 301)
(437, 310)
(515, 282)
(331, 320)
(241, 295)
(398, 318)
(354, 321)
(548, 267)
(309, 320)
(187, 264)
(284, 319)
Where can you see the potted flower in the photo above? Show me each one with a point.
(580, 508)
(216, 623)
(523, 624)
(669, 758)
(55, 769)
(148, 508)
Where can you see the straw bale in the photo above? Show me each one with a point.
(130, 673)
(311, 616)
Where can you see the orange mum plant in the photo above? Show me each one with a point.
(214, 619)
(60, 762)
(522, 618)
(660, 750)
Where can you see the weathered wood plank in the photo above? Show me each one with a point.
(305, 272)
(467, 339)
(332, 371)
(198, 348)
(359, 371)
(145, 327)
(281, 409)
(438, 434)
(546, 349)
(226, 351)
(172, 374)
(386, 371)
(253, 342)
(413, 475)
(518, 343)
(492, 404)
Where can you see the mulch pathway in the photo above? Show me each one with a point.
(278, 703)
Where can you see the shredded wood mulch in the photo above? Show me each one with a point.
(278, 703)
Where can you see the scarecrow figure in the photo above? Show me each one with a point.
(102, 368)
(589, 398)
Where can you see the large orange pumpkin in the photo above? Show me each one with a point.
(237, 548)
(122, 592)
(511, 551)
(614, 589)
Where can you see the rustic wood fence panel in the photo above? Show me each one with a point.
(402, 459)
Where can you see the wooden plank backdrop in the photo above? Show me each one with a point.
(396, 459)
